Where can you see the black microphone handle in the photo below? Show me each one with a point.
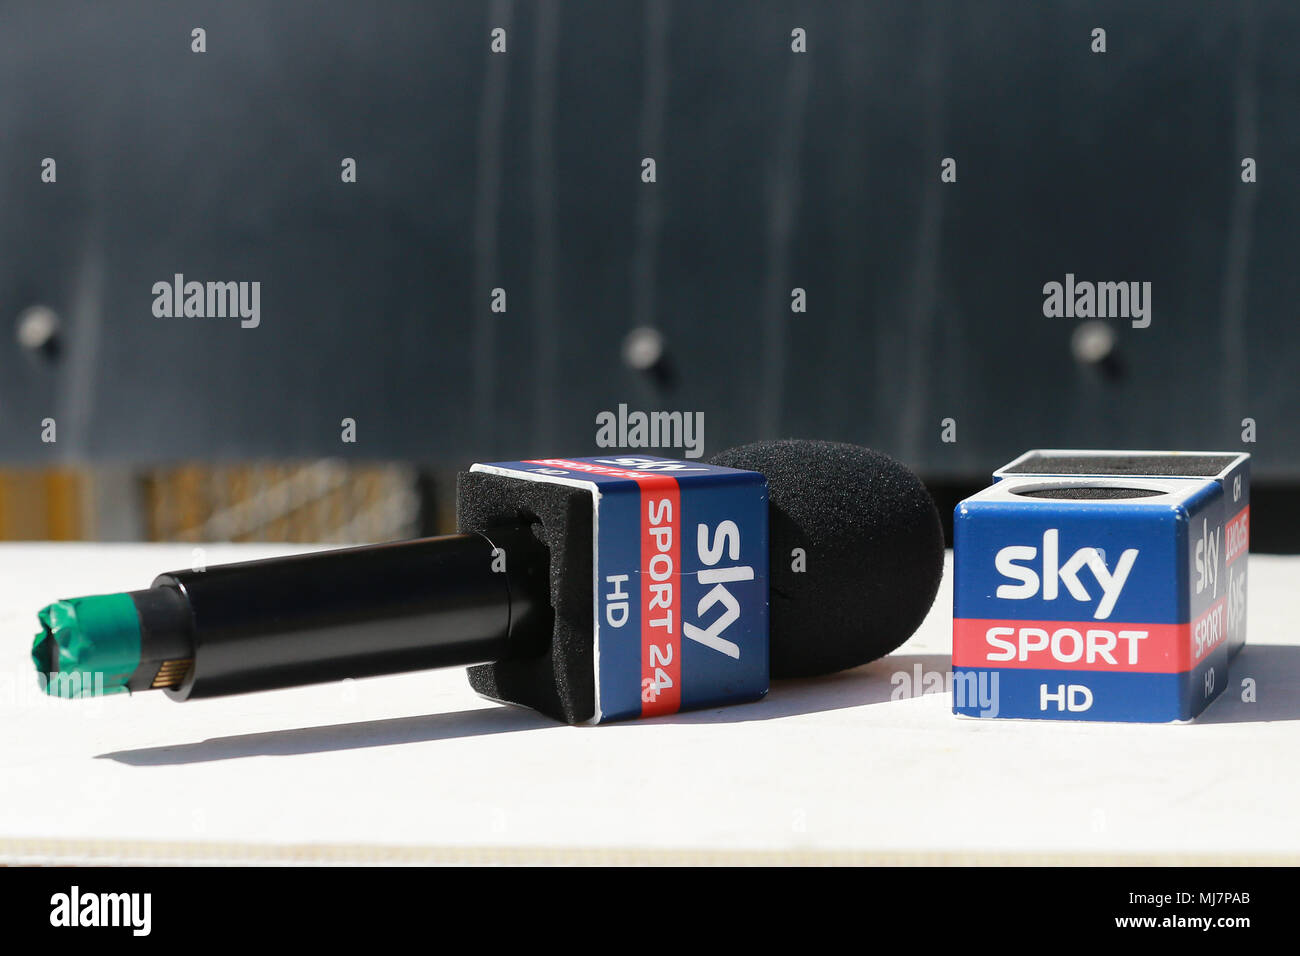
(355, 612)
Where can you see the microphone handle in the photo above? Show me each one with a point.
(355, 612)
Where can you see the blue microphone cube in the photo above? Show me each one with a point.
(1230, 469)
(679, 573)
(1093, 598)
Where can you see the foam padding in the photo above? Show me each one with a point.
(560, 683)
(1079, 493)
(873, 544)
(1162, 466)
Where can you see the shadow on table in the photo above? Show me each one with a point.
(874, 683)
(1275, 670)
(367, 733)
(897, 677)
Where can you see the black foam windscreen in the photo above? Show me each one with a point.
(856, 551)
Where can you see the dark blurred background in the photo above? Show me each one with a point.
(522, 171)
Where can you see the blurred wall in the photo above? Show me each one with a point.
(522, 171)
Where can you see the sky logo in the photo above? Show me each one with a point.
(1055, 574)
(1207, 559)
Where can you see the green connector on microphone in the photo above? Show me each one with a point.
(88, 645)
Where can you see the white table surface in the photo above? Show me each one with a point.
(417, 768)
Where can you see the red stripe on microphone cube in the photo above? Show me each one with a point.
(1082, 645)
(661, 562)
(1072, 645)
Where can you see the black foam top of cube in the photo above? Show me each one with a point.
(1120, 464)
(1088, 493)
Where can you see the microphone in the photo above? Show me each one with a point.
(570, 588)
(872, 544)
